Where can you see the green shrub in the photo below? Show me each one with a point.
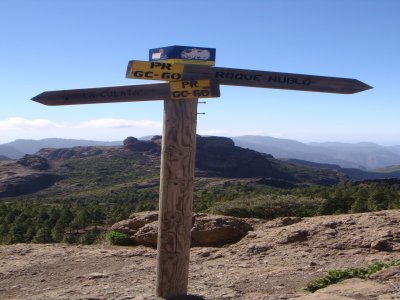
(118, 238)
(90, 237)
(335, 276)
(70, 239)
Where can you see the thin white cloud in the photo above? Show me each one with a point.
(16, 123)
(21, 123)
(95, 129)
(119, 123)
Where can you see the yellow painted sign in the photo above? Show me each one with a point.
(155, 70)
(189, 89)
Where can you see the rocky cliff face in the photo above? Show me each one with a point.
(71, 153)
(27, 175)
(215, 157)
(218, 156)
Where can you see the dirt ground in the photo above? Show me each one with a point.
(275, 261)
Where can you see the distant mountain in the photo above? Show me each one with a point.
(10, 152)
(394, 149)
(353, 173)
(364, 156)
(368, 155)
(19, 148)
(389, 169)
(360, 155)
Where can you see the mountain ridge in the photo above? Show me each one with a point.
(20, 147)
(79, 168)
(364, 155)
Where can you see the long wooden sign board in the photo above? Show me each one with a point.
(187, 89)
(243, 77)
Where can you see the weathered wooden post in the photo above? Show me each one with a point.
(176, 197)
(177, 169)
(191, 75)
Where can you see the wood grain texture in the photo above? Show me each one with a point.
(255, 78)
(112, 94)
(176, 197)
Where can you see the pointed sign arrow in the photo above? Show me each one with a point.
(243, 77)
(177, 90)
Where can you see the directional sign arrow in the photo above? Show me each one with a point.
(145, 92)
(243, 77)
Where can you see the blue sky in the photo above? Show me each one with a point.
(54, 45)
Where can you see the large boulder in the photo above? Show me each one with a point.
(135, 221)
(207, 230)
(147, 235)
(211, 230)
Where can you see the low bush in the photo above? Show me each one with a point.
(335, 276)
(118, 238)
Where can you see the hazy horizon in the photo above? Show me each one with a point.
(229, 136)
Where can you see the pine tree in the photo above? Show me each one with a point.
(360, 203)
(377, 201)
(43, 236)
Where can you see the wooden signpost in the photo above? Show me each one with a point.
(240, 77)
(186, 83)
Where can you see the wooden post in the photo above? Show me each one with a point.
(176, 197)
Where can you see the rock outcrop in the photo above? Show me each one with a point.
(35, 162)
(207, 230)
(22, 185)
(133, 144)
(218, 156)
(27, 175)
(70, 153)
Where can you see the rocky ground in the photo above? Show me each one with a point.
(275, 261)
